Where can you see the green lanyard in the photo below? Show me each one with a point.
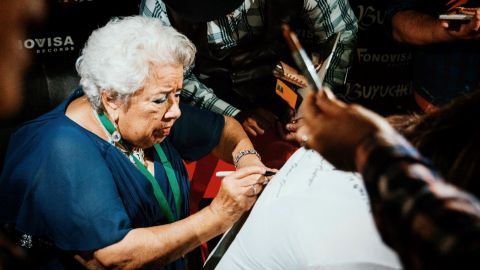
(172, 179)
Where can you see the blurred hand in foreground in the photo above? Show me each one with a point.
(335, 129)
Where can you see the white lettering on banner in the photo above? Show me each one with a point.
(358, 91)
(29, 44)
(54, 50)
(49, 44)
(368, 16)
(390, 58)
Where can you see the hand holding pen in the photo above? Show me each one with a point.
(226, 173)
(267, 175)
(314, 75)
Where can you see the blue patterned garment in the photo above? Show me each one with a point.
(323, 17)
(64, 184)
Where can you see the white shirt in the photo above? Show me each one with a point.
(310, 216)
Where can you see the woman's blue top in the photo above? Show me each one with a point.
(63, 183)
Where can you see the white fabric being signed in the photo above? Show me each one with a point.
(310, 216)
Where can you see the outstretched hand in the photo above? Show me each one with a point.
(335, 129)
(466, 31)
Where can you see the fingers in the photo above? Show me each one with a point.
(239, 192)
(476, 20)
(253, 190)
(268, 177)
(292, 136)
(246, 171)
(253, 126)
(295, 124)
(471, 29)
(250, 131)
(259, 121)
(303, 136)
(250, 180)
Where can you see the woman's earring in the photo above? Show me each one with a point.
(116, 136)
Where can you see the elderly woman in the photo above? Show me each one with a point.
(99, 181)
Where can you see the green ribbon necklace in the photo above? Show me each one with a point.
(157, 191)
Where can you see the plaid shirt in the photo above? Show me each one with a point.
(431, 224)
(442, 71)
(324, 17)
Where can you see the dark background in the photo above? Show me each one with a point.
(54, 46)
(379, 78)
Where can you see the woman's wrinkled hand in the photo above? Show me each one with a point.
(238, 193)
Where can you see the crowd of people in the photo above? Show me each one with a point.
(99, 182)
(446, 59)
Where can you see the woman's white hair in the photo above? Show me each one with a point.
(118, 56)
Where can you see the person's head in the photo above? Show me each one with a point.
(450, 137)
(132, 70)
(14, 18)
(202, 11)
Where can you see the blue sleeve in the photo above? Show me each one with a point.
(62, 189)
(196, 132)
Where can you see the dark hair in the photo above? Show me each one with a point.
(450, 138)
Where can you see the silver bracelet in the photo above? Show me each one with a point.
(243, 153)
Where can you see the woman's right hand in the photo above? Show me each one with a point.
(238, 193)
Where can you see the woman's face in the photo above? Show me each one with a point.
(150, 113)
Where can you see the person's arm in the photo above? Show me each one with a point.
(431, 224)
(233, 141)
(152, 247)
(327, 18)
(194, 92)
(214, 133)
(416, 28)
(154, 9)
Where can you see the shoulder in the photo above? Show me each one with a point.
(55, 137)
(65, 132)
